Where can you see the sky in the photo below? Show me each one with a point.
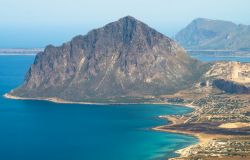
(37, 23)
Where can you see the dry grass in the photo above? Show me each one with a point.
(234, 125)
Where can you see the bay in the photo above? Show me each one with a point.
(43, 130)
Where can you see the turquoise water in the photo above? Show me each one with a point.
(40, 130)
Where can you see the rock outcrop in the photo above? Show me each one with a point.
(230, 87)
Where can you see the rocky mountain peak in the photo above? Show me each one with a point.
(128, 32)
(123, 58)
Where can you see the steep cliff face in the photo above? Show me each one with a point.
(210, 34)
(124, 58)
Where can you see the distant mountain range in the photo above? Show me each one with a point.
(206, 34)
(126, 58)
(20, 50)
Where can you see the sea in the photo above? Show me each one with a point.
(41, 130)
(211, 56)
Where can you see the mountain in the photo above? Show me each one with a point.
(125, 58)
(206, 34)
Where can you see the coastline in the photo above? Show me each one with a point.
(52, 99)
(62, 101)
(202, 138)
(184, 152)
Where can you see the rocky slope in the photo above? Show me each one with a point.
(206, 34)
(125, 58)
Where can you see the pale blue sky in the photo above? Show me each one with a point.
(36, 23)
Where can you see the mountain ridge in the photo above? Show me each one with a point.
(205, 34)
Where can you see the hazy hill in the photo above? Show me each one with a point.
(215, 35)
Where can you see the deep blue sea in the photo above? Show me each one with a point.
(40, 130)
(209, 56)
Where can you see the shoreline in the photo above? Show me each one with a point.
(52, 99)
(182, 152)
(202, 138)
(62, 101)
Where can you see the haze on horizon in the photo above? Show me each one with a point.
(37, 23)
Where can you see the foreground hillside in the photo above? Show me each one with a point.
(206, 34)
(125, 58)
(221, 116)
